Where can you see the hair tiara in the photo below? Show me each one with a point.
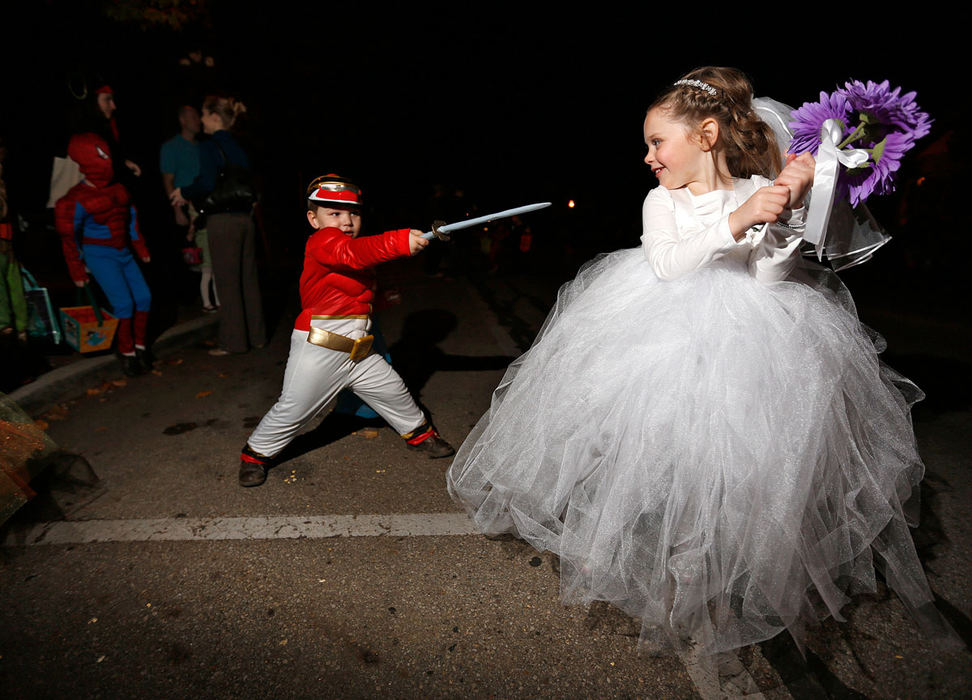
(698, 84)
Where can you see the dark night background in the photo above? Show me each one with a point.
(512, 103)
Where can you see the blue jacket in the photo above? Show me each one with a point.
(211, 162)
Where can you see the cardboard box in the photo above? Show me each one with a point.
(83, 332)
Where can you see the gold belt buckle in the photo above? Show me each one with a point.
(362, 346)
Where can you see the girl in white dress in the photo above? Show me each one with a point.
(702, 430)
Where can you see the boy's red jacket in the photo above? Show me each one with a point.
(337, 279)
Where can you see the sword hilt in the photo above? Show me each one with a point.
(442, 236)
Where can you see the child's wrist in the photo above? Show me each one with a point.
(738, 227)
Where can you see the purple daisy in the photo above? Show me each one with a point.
(874, 118)
(874, 99)
(888, 107)
(808, 119)
(877, 175)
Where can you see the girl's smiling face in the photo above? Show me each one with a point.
(675, 155)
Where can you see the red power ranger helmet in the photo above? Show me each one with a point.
(334, 189)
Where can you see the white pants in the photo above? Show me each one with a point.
(315, 375)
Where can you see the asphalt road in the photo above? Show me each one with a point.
(350, 573)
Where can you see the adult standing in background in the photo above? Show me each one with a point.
(179, 164)
(93, 110)
(232, 234)
(105, 101)
(179, 160)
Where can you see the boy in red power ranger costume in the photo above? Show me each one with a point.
(96, 220)
(330, 348)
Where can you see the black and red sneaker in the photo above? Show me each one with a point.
(429, 442)
(253, 467)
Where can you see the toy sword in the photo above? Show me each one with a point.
(441, 230)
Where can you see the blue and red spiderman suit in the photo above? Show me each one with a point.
(96, 220)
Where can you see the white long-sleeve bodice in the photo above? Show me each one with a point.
(683, 232)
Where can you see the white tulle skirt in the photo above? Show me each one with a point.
(721, 458)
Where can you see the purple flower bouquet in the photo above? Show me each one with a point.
(873, 120)
(858, 134)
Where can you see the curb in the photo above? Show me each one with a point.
(65, 382)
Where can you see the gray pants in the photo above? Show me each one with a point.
(315, 375)
(232, 245)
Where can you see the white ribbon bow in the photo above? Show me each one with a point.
(825, 181)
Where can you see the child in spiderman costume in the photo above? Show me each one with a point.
(96, 220)
(330, 346)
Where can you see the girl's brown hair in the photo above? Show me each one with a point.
(227, 108)
(747, 141)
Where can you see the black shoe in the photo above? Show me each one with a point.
(434, 447)
(131, 366)
(145, 359)
(252, 474)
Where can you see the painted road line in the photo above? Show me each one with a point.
(710, 681)
(243, 528)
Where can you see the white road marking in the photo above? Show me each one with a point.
(243, 528)
(709, 681)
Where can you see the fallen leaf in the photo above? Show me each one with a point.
(58, 412)
(100, 659)
(157, 372)
(203, 394)
(92, 620)
(101, 428)
(222, 375)
(119, 382)
(176, 361)
(283, 642)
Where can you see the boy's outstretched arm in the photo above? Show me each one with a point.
(335, 249)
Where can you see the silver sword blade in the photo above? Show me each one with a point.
(459, 225)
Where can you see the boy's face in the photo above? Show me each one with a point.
(348, 219)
